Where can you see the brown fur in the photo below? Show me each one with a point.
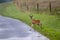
(35, 21)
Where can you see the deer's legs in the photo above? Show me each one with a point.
(40, 25)
(32, 25)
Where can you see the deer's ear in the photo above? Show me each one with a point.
(30, 15)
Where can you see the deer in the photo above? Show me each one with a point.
(38, 22)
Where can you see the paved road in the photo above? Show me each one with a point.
(12, 29)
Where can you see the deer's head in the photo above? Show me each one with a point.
(31, 16)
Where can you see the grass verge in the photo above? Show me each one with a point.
(50, 24)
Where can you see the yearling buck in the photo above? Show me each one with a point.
(38, 22)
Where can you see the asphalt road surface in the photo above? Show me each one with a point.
(12, 29)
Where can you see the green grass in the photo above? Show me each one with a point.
(50, 23)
